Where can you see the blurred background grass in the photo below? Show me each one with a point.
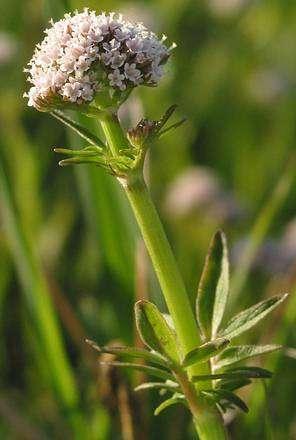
(71, 260)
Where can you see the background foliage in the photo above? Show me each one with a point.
(71, 261)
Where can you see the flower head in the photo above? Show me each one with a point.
(84, 55)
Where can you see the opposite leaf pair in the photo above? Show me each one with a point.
(129, 157)
(170, 364)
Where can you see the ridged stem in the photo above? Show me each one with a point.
(207, 420)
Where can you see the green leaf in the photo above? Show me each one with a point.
(81, 160)
(235, 373)
(171, 127)
(132, 352)
(81, 131)
(152, 371)
(213, 287)
(168, 385)
(167, 115)
(89, 151)
(249, 317)
(234, 354)
(155, 331)
(232, 384)
(204, 352)
(222, 395)
(169, 402)
(251, 372)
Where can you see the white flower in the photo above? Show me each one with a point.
(112, 45)
(72, 91)
(84, 53)
(117, 60)
(122, 34)
(135, 44)
(132, 73)
(156, 72)
(116, 79)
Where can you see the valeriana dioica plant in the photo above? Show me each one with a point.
(90, 63)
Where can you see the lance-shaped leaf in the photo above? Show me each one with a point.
(232, 384)
(251, 372)
(178, 398)
(234, 354)
(204, 352)
(213, 287)
(168, 385)
(82, 160)
(131, 352)
(235, 373)
(249, 317)
(81, 131)
(89, 151)
(218, 396)
(171, 127)
(167, 115)
(152, 371)
(155, 331)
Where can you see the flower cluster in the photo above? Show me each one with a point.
(84, 53)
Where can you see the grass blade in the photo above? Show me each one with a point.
(260, 229)
(38, 301)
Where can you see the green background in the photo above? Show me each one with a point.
(71, 259)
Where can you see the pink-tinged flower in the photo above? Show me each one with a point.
(85, 53)
(132, 73)
(116, 79)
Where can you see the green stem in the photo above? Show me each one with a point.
(114, 135)
(206, 419)
(164, 263)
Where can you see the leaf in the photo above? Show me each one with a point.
(132, 352)
(213, 287)
(169, 402)
(204, 352)
(171, 127)
(235, 373)
(220, 395)
(167, 115)
(168, 385)
(152, 371)
(249, 317)
(234, 354)
(232, 384)
(81, 131)
(81, 160)
(155, 331)
(251, 372)
(89, 151)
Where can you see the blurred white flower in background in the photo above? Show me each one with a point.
(265, 85)
(8, 48)
(198, 188)
(275, 256)
(226, 7)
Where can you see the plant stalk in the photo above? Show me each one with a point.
(114, 135)
(207, 420)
